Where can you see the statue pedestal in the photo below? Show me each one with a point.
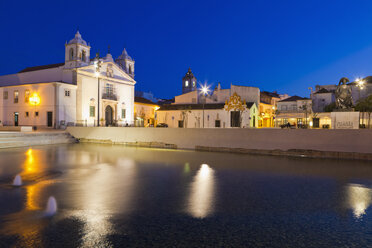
(345, 120)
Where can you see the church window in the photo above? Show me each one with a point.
(92, 111)
(83, 56)
(27, 96)
(123, 113)
(16, 93)
(67, 92)
(71, 54)
(193, 83)
(186, 83)
(5, 95)
(109, 89)
(130, 69)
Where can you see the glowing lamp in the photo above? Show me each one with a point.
(34, 99)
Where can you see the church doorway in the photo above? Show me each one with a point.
(109, 116)
(235, 119)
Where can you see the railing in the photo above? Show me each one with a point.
(109, 96)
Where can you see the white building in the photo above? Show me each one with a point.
(79, 91)
(222, 108)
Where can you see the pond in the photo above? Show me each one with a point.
(117, 196)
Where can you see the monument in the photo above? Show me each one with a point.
(344, 116)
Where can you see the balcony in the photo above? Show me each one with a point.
(109, 96)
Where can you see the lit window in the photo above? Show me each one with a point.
(123, 113)
(193, 84)
(5, 95)
(16, 93)
(67, 92)
(92, 111)
(186, 83)
(27, 96)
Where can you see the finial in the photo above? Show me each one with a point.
(108, 49)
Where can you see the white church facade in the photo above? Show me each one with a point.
(236, 107)
(81, 91)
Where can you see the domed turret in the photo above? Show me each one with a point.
(188, 82)
(77, 52)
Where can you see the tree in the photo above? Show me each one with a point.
(307, 109)
(365, 105)
(184, 115)
(330, 107)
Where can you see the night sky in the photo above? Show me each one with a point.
(286, 46)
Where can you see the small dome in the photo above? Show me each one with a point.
(109, 58)
(77, 39)
(124, 55)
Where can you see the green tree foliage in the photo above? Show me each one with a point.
(330, 107)
(365, 105)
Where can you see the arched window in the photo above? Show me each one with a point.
(71, 54)
(83, 56)
(130, 69)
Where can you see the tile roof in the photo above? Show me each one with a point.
(197, 106)
(143, 100)
(294, 98)
(41, 67)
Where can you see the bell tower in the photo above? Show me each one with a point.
(188, 82)
(126, 63)
(77, 52)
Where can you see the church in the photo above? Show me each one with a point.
(236, 107)
(84, 90)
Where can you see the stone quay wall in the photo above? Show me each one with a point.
(345, 144)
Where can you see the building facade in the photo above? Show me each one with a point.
(144, 112)
(221, 108)
(80, 91)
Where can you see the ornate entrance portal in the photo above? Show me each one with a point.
(109, 115)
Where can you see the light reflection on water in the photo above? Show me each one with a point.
(358, 198)
(138, 193)
(201, 198)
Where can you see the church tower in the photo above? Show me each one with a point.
(126, 63)
(77, 52)
(188, 82)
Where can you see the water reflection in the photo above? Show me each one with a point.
(201, 198)
(358, 199)
(107, 192)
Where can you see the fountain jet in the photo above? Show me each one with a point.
(17, 180)
(51, 206)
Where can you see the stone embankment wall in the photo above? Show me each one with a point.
(351, 144)
(19, 139)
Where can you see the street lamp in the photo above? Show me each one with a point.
(97, 65)
(34, 100)
(360, 84)
(204, 91)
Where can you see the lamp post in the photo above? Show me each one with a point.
(34, 100)
(97, 65)
(360, 84)
(204, 91)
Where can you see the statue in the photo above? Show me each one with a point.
(344, 99)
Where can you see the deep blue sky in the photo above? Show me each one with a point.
(276, 45)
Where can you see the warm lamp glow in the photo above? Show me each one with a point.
(34, 99)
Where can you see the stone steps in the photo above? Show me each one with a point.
(17, 139)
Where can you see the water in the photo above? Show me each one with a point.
(115, 196)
